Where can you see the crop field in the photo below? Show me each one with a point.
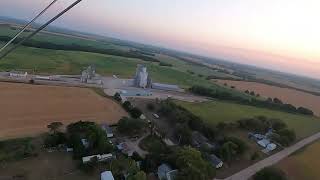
(28, 109)
(291, 96)
(220, 111)
(304, 164)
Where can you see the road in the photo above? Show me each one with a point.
(251, 170)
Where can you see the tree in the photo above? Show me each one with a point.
(192, 166)
(183, 133)
(228, 151)
(247, 92)
(138, 176)
(270, 173)
(130, 126)
(127, 106)
(252, 93)
(55, 126)
(277, 101)
(123, 167)
(117, 97)
(135, 112)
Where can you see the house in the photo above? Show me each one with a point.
(107, 175)
(156, 116)
(198, 140)
(124, 148)
(215, 161)
(165, 172)
(108, 130)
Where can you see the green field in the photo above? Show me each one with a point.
(62, 40)
(218, 111)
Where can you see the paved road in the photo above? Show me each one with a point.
(251, 170)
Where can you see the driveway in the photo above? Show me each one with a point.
(251, 170)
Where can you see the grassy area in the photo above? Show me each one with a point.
(16, 149)
(152, 144)
(303, 165)
(219, 111)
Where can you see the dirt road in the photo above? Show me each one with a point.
(251, 170)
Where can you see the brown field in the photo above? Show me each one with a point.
(303, 164)
(291, 96)
(28, 109)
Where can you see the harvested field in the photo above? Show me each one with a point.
(303, 164)
(291, 96)
(28, 109)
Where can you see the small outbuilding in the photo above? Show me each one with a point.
(108, 130)
(107, 175)
(165, 172)
(215, 161)
(264, 142)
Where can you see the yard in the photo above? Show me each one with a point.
(303, 164)
(222, 111)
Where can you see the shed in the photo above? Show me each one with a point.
(108, 130)
(107, 175)
(215, 161)
(264, 143)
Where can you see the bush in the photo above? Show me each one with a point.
(150, 107)
(165, 64)
(270, 173)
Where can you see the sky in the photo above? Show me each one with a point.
(282, 35)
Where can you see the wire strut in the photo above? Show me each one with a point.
(41, 28)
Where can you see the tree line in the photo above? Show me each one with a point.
(275, 103)
(84, 48)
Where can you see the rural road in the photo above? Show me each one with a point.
(251, 170)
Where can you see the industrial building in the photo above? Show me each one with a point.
(142, 78)
(88, 74)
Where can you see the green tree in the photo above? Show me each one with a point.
(192, 166)
(124, 167)
(55, 126)
(117, 97)
(138, 176)
(135, 112)
(228, 150)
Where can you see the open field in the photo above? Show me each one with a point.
(220, 111)
(303, 164)
(291, 96)
(28, 109)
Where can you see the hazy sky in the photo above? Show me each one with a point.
(278, 34)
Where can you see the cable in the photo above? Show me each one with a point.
(27, 25)
(41, 28)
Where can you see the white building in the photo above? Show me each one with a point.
(16, 74)
(108, 130)
(100, 158)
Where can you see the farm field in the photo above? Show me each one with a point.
(221, 111)
(291, 96)
(46, 61)
(304, 164)
(28, 109)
